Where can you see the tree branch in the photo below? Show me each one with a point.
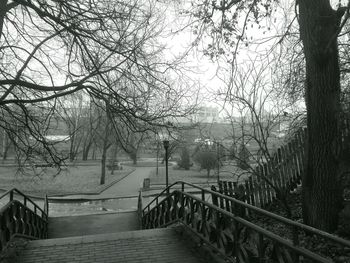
(57, 95)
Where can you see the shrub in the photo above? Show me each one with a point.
(243, 157)
(184, 159)
(232, 153)
(206, 160)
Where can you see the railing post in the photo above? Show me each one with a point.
(295, 236)
(295, 243)
(261, 248)
(166, 147)
(236, 239)
(139, 209)
(11, 195)
(214, 198)
(203, 195)
(182, 186)
(47, 207)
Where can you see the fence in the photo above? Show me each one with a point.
(283, 171)
(221, 226)
(21, 217)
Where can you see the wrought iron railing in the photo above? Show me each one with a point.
(20, 216)
(224, 226)
(139, 208)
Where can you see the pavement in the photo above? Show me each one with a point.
(147, 246)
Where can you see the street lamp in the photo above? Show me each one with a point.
(217, 160)
(157, 141)
(166, 147)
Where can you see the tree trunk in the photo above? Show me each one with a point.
(71, 148)
(6, 146)
(3, 4)
(86, 150)
(104, 154)
(103, 166)
(157, 170)
(113, 158)
(103, 161)
(321, 185)
(133, 155)
(134, 159)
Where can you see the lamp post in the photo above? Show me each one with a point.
(166, 147)
(157, 141)
(218, 160)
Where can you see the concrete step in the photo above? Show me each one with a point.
(147, 246)
(70, 226)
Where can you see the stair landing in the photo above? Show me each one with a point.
(69, 226)
(147, 246)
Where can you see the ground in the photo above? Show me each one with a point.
(80, 178)
(143, 164)
(195, 174)
(321, 246)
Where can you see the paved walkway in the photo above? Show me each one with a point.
(147, 246)
(130, 185)
(127, 187)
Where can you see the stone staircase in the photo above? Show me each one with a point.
(204, 226)
(112, 237)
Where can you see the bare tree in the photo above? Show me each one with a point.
(106, 144)
(320, 24)
(74, 112)
(109, 50)
(256, 117)
(90, 129)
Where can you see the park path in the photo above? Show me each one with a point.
(130, 185)
(120, 197)
(127, 187)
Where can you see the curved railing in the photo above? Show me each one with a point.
(20, 216)
(221, 222)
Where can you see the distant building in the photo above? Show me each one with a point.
(206, 115)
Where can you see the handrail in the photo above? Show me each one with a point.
(162, 193)
(25, 199)
(46, 206)
(139, 209)
(302, 251)
(17, 219)
(258, 210)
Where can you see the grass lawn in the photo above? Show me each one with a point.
(194, 175)
(74, 179)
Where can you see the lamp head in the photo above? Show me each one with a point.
(166, 144)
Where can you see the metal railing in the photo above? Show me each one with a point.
(20, 216)
(139, 209)
(222, 224)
